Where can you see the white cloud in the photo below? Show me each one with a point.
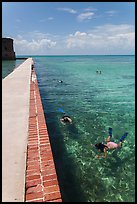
(115, 38)
(111, 29)
(106, 39)
(85, 16)
(37, 35)
(90, 9)
(45, 19)
(69, 10)
(34, 46)
(111, 12)
(50, 18)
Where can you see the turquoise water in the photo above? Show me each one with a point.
(9, 65)
(95, 102)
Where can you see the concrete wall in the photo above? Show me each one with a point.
(28, 169)
(7, 49)
(15, 113)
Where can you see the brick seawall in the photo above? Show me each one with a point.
(28, 169)
(41, 178)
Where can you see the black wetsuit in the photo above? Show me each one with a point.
(65, 118)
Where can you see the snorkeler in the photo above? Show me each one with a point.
(60, 81)
(66, 119)
(103, 148)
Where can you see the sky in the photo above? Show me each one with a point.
(70, 28)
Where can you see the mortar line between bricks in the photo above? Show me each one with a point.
(38, 138)
(37, 121)
(33, 200)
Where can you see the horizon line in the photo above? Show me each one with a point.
(72, 54)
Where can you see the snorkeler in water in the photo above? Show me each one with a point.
(60, 81)
(66, 119)
(103, 148)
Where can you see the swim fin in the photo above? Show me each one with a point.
(110, 131)
(61, 110)
(123, 137)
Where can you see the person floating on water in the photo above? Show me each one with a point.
(103, 148)
(66, 119)
(98, 72)
(60, 81)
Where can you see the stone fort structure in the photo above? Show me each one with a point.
(8, 49)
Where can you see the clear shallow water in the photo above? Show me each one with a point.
(95, 102)
(9, 65)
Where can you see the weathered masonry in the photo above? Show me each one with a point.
(41, 178)
(8, 49)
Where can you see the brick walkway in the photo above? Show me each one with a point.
(41, 178)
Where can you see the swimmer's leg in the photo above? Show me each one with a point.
(122, 139)
(109, 134)
(110, 131)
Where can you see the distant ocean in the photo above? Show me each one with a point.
(95, 102)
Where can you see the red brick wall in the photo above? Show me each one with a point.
(41, 178)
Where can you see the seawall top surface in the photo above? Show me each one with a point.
(15, 114)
